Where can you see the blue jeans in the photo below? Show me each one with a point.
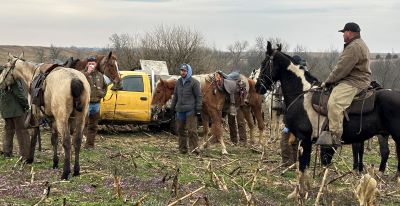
(94, 108)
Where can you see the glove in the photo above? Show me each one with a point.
(323, 85)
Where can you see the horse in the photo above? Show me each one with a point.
(106, 64)
(302, 119)
(213, 104)
(273, 107)
(66, 96)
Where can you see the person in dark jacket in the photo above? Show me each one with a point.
(14, 106)
(187, 102)
(98, 89)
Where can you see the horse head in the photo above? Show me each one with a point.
(7, 76)
(163, 93)
(108, 66)
(71, 62)
(269, 72)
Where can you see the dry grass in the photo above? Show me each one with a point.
(150, 171)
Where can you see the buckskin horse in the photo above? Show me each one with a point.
(302, 119)
(66, 94)
(213, 103)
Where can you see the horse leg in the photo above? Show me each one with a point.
(304, 163)
(250, 123)
(54, 144)
(216, 128)
(205, 121)
(79, 124)
(384, 151)
(34, 140)
(260, 122)
(63, 130)
(358, 151)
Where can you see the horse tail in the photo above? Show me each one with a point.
(76, 91)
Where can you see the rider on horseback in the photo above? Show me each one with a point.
(351, 75)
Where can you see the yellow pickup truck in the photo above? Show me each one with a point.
(131, 104)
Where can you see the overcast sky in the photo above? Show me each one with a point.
(310, 23)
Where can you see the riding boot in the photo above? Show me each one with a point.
(241, 125)
(92, 130)
(233, 129)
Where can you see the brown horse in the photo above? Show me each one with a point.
(106, 64)
(213, 104)
(66, 96)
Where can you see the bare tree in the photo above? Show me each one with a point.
(236, 51)
(40, 54)
(54, 52)
(175, 45)
(127, 50)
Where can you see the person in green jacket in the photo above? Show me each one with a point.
(351, 75)
(14, 106)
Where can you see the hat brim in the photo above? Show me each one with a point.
(342, 30)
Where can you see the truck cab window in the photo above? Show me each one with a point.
(133, 84)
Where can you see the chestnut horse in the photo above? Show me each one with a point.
(213, 104)
(106, 64)
(66, 95)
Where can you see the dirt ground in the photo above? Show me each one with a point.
(142, 167)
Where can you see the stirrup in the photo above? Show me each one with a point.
(325, 139)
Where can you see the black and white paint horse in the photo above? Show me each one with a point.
(303, 121)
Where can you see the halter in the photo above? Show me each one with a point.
(9, 72)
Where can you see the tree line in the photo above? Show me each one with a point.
(179, 44)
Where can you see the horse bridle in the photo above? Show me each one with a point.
(264, 76)
(11, 69)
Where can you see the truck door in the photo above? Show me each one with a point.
(132, 103)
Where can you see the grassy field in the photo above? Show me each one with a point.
(152, 172)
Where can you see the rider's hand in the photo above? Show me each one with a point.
(323, 85)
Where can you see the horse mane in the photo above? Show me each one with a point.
(252, 84)
(309, 77)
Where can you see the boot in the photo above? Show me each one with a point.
(92, 130)
(232, 110)
(327, 138)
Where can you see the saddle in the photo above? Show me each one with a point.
(363, 102)
(233, 84)
(36, 88)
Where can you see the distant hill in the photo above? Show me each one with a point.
(37, 53)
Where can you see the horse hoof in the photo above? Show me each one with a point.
(29, 161)
(64, 176)
(76, 173)
(224, 152)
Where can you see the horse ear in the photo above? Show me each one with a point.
(11, 56)
(279, 47)
(21, 55)
(269, 48)
(161, 82)
(109, 55)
